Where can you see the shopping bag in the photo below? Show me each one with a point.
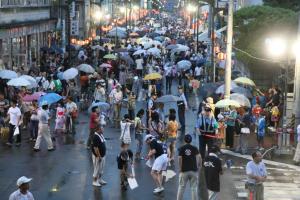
(16, 131)
(169, 174)
(132, 181)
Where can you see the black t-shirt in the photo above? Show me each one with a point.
(276, 99)
(99, 142)
(188, 153)
(123, 158)
(158, 148)
(212, 168)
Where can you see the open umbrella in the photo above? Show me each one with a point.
(18, 82)
(244, 81)
(184, 64)
(241, 99)
(221, 89)
(224, 103)
(110, 56)
(50, 98)
(208, 89)
(171, 46)
(134, 34)
(101, 105)
(33, 97)
(139, 52)
(8, 74)
(167, 99)
(86, 68)
(127, 59)
(241, 90)
(152, 76)
(33, 83)
(154, 51)
(70, 73)
(105, 65)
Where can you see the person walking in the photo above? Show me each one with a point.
(257, 174)
(182, 107)
(44, 129)
(230, 129)
(297, 153)
(213, 170)
(116, 97)
(189, 163)
(72, 114)
(14, 116)
(23, 192)
(98, 156)
(160, 163)
(139, 129)
(172, 127)
(94, 122)
(34, 121)
(206, 127)
(125, 129)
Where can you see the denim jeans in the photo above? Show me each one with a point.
(34, 128)
(184, 178)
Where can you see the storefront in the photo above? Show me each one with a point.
(20, 43)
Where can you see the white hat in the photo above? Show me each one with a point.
(148, 137)
(45, 103)
(23, 180)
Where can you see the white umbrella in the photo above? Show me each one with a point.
(105, 65)
(221, 89)
(139, 52)
(8, 74)
(98, 47)
(184, 64)
(86, 68)
(18, 82)
(154, 51)
(70, 73)
(241, 99)
(33, 83)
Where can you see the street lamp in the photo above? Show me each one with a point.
(191, 9)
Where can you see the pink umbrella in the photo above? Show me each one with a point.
(33, 97)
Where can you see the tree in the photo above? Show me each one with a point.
(254, 24)
(287, 4)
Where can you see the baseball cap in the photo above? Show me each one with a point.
(23, 180)
(148, 137)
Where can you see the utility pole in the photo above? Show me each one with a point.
(229, 50)
(197, 26)
(297, 83)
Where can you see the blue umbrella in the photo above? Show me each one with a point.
(50, 98)
(101, 105)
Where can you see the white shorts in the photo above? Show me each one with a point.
(160, 163)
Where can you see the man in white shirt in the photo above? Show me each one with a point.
(44, 129)
(72, 112)
(139, 66)
(257, 174)
(116, 97)
(14, 115)
(198, 72)
(23, 192)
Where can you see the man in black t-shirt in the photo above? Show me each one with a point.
(160, 163)
(213, 170)
(189, 163)
(98, 156)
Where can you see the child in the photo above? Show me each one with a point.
(275, 116)
(123, 160)
(261, 126)
(125, 129)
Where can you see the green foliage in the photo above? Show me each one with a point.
(288, 4)
(254, 24)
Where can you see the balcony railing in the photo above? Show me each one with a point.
(23, 3)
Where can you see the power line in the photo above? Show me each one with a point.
(254, 57)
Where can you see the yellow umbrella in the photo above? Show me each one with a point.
(244, 81)
(152, 76)
(224, 103)
(110, 56)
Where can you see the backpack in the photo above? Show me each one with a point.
(58, 85)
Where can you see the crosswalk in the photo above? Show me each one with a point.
(282, 183)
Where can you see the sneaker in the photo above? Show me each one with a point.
(51, 149)
(158, 190)
(102, 182)
(36, 150)
(9, 144)
(95, 183)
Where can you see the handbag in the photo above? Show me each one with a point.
(245, 130)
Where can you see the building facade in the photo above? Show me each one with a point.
(25, 27)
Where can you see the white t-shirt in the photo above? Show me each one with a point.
(125, 132)
(198, 71)
(14, 115)
(256, 170)
(71, 107)
(17, 195)
(139, 63)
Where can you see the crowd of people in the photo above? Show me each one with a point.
(121, 81)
